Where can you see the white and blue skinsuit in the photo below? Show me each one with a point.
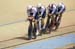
(42, 11)
(31, 29)
(61, 9)
(52, 10)
(33, 12)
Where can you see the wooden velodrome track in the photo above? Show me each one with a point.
(13, 14)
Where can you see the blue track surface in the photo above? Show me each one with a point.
(50, 43)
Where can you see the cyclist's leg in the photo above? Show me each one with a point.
(39, 27)
(58, 21)
(48, 22)
(42, 20)
(35, 29)
(52, 23)
(30, 30)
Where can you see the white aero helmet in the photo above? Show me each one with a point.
(29, 7)
(39, 5)
(51, 5)
(34, 8)
(60, 4)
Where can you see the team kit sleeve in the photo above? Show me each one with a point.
(42, 10)
(54, 9)
(62, 9)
